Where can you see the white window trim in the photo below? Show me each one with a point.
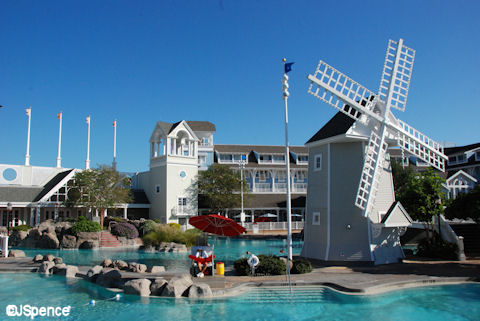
(315, 168)
(316, 215)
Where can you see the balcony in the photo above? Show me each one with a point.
(300, 187)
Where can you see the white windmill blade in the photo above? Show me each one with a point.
(374, 156)
(396, 75)
(420, 145)
(341, 92)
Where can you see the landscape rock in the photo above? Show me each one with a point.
(88, 240)
(138, 286)
(156, 269)
(69, 271)
(16, 253)
(48, 240)
(106, 263)
(38, 258)
(58, 267)
(48, 257)
(46, 267)
(88, 244)
(47, 226)
(200, 290)
(172, 247)
(58, 260)
(16, 237)
(68, 242)
(178, 286)
(121, 265)
(94, 271)
(137, 267)
(110, 278)
(157, 286)
(148, 248)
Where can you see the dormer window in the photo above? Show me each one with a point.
(231, 158)
(457, 159)
(302, 159)
(271, 159)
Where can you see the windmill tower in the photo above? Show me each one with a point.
(349, 220)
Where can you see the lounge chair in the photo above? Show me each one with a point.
(194, 269)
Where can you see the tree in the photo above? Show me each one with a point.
(466, 205)
(99, 188)
(219, 186)
(420, 193)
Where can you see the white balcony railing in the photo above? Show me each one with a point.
(281, 187)
(269, 226)
(300, 187)
(263, 187)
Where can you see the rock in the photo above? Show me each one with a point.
(181, 248)
(156, 269)
(137, 267)
(58, 260)
(88, 244)
(148, 248)
(47, 226)
(68, 242)
(48, 257)
(38, 258)
(46, 267)
(109, 278)
(106, 263)
(16, 253)
(88, 240)
(48, 241)
(94, 272)
(121, 265)
(172, 247)
(89, 236)
(62, 228)
(16, 237)
(32, 238)
(58, 267)
(69, 271)
(200, 290)
(157, 286)
(138, 286)
(178, 286)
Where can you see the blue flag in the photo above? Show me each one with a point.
(288, 66)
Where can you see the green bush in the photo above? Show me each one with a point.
(175, 226)
(156, 220)
(147, 227)
(301, 266)
(269, 265)
(21, 228)
(167, 233)
(437, 248)
(84, 225)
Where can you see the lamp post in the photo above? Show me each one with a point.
(9, 211)
(241, 165)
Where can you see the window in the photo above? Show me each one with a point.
(300, 176)
(225, 158)
(457, 159)
(279, 159)
(157, 189)
(205, 141)
(182, 204)
(316, 218)
(281, 176)
(262, 175)
(318, 162)
(239, 157)
(202, 159)
(477, 156)
(262, 158)
(302, 159)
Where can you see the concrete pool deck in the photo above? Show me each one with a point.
(351, 280)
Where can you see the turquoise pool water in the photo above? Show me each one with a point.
(226, 250)
(453, 302)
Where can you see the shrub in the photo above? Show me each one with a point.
(84, 225)
(301, 266)
(147, 227)
(437, 248)
(269, 265)
(167, 233)
(156, 220)
(124, 229)
(21, 228)
(175, 226)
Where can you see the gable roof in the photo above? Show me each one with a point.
(461, 172)
(339, 124)
(51, 184)
(396, 216)
(201, 126)
(19, 193)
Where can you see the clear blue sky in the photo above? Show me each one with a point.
(145, 61)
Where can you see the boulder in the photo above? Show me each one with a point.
(58, 267)
(157, 286)
(48, 257)
(95, 236)
(178, 286)
(148, 248)
(88, 240)
(47, 226)
(94, 272)
(32, 238)
(68, 242)
(62, 228)
(38, 258)
(109, 278)
(137, 267)
(200, 290)
(156, 269)
(121, 265)
(16, 237)
(46, 267)
(106, 263)
(57, 260)
(88, 244)
(48, 241)
(16, 253)
(69, 271)
(138, 286)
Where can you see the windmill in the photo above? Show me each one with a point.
(374, 111)
(372, 236)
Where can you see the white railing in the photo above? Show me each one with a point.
(281, 187)
(449, 235)
(268, 226)
(263, 187)
(300, 187)
(4, 246)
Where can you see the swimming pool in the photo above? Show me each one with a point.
(452, 302)
(226, 250)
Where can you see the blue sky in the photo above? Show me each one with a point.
(145, 61)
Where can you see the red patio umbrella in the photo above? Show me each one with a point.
(217, 224)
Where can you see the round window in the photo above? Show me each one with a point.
(9, 174)
(183, 174)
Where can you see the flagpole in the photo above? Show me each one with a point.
(114, 163)
(27, 155)
(87, 162)
(59, 158)
(287, 168)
